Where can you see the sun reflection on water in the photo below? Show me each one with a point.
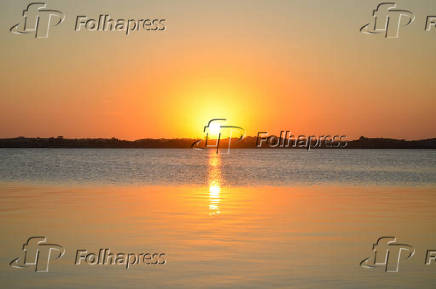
(214, 184)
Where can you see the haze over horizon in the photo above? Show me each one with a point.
(265, 66)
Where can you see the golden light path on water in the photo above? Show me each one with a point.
(214, 173)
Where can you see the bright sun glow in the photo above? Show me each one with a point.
(214, 128)
(214, 190)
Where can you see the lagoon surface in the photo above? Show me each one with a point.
(241, 167)
(248, 219)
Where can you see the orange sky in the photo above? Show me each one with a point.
(264, 65)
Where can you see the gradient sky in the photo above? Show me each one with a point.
(264, 65)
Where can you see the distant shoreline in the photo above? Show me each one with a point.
(248, 142)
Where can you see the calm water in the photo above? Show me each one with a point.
(250, 219)
(240, 167)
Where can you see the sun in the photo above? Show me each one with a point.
(214, 128)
